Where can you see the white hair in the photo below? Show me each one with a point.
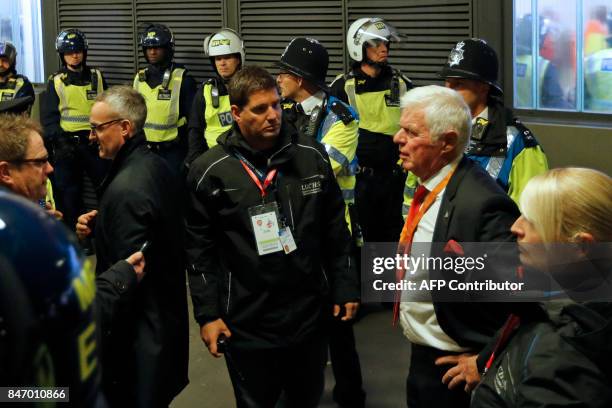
(126, 103)
(444, 110)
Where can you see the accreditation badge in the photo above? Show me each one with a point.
(264, 218)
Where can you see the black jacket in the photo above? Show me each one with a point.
(473, 209)
(276, 299)
(561, 360)
(26, 90)
(145, 351)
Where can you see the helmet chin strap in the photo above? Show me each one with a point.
(76, 67)
(375, 64)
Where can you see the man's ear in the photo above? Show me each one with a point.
(449, 140)
(126, 129)
(5, 174)
(236, 113)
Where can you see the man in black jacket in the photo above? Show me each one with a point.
(456, 201)
(267, 243)
(146, 349)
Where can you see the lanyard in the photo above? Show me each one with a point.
(511, 324)
(409, 229)
(408, 234)
(256, 175)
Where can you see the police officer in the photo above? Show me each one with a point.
(65, 112)
(210, 114)
(303, 67)
(12, 84)
(598, 77)
(168, 90)
(373, 88)
(500, 143)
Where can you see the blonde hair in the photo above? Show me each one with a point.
(565, 202)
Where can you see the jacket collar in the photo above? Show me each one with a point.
(125, 151)
(494, 140)
(282, 152)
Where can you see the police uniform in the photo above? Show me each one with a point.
(335, 125)
(65, 110)
(168, 93)
(380, 180)
(598, 81)
(210, 116)
(16, 86)
(168, 90)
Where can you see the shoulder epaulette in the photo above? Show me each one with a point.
(342, 111)
(287, 105)
(528, 137)
(142, 75)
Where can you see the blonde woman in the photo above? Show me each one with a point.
(561, 358)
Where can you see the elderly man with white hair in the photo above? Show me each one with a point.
(457, 201)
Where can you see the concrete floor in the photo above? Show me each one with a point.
(383, 350)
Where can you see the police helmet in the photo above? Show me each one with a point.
(157, 36)
(365, 31)
(473, 59)
(8, 50)
(48, 326)
(224, 42)
(71, 40)
(306, 58)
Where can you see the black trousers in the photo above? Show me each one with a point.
(260, 376)
(424, 388)
(348, 391)
(379, 195)
(72, 159)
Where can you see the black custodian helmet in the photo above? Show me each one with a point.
(473, 59)
(306, 58)
(157, 36)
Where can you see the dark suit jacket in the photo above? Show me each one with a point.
(474, 209)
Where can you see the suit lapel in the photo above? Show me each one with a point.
(447, 206)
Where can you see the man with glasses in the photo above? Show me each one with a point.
(24, 161)
(147, 343)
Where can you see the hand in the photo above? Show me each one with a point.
(351, 310)
(83, 229)
(137, 260)
(210, 333)
(465, 370)
(53, 212)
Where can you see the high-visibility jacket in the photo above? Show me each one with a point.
(75, 101)
(598, 81)
(163, 118)
(217, 112)
(524, 81)
(11, 88)
(337, 128)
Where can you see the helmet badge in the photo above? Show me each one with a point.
(456, 55)
(217, 43)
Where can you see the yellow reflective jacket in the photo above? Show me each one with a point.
(75, 101)
(162, 101)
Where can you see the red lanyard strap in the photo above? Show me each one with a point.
(268, 180)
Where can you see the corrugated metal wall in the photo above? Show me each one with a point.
(430, 28)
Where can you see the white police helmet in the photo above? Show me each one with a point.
(368, 29)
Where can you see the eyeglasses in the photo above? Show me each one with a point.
(98, 128)
(40, 162)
